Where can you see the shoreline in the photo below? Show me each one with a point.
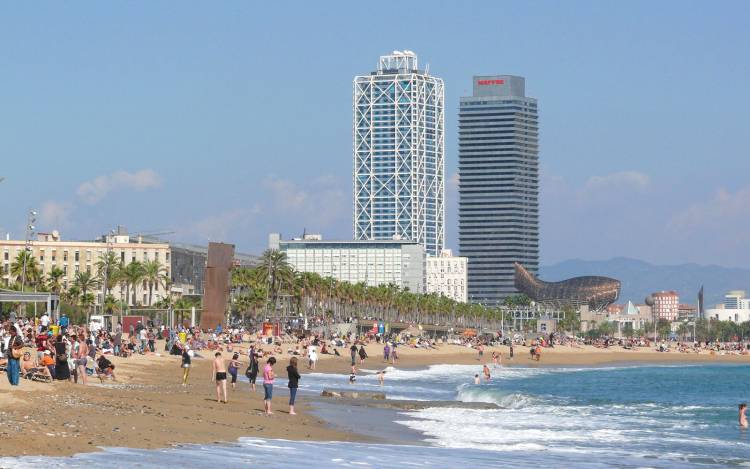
(149, 409)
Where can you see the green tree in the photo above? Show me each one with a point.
(154, 274)
(108, 266)
(33, 274)
(131, 275)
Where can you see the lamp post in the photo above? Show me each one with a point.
(31, 218)
(110, 240)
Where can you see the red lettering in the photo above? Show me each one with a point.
(490, 82)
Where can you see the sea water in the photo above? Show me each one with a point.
(629, 416)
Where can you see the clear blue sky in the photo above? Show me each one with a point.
(227, 120)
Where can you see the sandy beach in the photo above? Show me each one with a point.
(147, 407)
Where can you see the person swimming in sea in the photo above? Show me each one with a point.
(476, 379)
(486, 371)
(381, 377)
(742, 416)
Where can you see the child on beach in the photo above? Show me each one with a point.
(353, 375)
(268, 377)
(742, 416)
(185, 364)
(219, 375)
(381, 377)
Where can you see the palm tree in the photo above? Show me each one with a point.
(275, 272)
(86, 283)
(108, 267)
(131, 275)
(54, 279)
(32, 272)
(154, 274)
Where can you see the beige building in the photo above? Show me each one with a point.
(446, 275)
(71, 257)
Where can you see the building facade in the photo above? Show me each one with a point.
(72, 257)
(399, 156)
(736, 299)
(666, 305)
(376, 262)
(498, 169)
(446, 276)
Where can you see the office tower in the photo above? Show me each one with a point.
(399, 153)
(498, 168)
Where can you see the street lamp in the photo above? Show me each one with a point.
(31, 219)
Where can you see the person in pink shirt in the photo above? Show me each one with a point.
(268, 377)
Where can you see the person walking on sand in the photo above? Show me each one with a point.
(186, 359)
(13, 351)
(234, 365)
(362, 354)
(312, 356)
(294, 377)
(511, 351)
(252, 369)
(268, 377)
(386, 352)
(82, 359)
(742, 416)
(353, 350)
(353, 375)
(219, 375)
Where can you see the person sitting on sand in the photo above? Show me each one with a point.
(28, 367)
(105, 368)
(742, 416)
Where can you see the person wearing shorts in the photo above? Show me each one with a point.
(186, 359)
(219, 375)
(268, 377)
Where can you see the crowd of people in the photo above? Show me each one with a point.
(61, 352)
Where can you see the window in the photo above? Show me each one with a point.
(5, 255)
(41, 256)
(65, 256)
(122, 257)
(78, 256)
(54, 255)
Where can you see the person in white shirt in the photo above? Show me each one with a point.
(313, 356)
(44, 321)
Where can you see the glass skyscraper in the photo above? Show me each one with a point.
(498, 168)
(398, 133)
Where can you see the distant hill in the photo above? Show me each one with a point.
(640, 278)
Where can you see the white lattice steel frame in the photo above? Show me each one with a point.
(399, 157)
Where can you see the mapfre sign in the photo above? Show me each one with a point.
(490, 82)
